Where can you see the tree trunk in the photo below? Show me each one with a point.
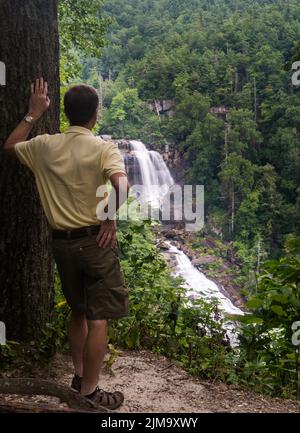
(255, 99)
(29, 47)
(232, 211)
(236, 81)
(17, 407)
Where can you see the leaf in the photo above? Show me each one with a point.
(249, 319)
(281, 298)
(254, 303)
(278, 310)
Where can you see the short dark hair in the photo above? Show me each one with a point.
(81, 103)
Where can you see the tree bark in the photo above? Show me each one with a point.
(29, 46)
(16, 407)
(232, 210)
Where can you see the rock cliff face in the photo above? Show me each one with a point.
(176, 164)
(163, 108)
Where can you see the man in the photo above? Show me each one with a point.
(69, 168)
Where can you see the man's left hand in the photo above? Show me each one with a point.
(108, 234)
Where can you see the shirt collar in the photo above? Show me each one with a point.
(78, 130)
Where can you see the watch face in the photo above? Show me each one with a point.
(29, 119)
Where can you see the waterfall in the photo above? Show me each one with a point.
(147, 168)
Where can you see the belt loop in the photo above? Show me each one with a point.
(69, 234)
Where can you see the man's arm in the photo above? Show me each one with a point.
(107, 234)
(39, 102)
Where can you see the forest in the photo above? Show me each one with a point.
(223, 69)
(206, 54)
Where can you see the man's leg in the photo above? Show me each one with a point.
(93, 354)
(65, 254)
(77, 333)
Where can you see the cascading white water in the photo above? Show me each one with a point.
(199, 284)
(154, 173)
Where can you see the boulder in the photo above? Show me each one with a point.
(203, 260)
(163, 245)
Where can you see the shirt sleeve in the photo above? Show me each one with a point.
(112, 161)
(27, 151)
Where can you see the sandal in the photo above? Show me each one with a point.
(110, 400)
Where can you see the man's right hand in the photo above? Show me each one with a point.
(39, 101)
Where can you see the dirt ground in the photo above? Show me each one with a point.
(152, 384)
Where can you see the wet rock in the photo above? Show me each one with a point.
(203, 260)
(163, 245)
(172, 234)
(106, 137)
(170, 259)
(208, 242)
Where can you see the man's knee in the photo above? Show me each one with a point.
(94, 325)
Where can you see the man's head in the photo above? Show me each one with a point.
(81, 106)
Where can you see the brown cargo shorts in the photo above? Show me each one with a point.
(91, 278)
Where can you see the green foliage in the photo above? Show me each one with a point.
(199, 342)
(82, 31)
(82, 25)
(129, 117)
(268, 356)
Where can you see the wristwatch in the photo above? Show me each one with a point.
(29, 119)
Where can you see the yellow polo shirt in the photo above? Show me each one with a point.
(68, 170)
